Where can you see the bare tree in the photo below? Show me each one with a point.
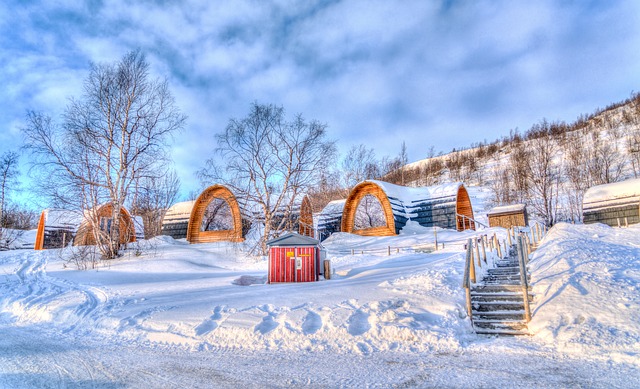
(604, 162)
(358, 165)
(543, 177)
(270, 162)
(576, 175)
(152, 197)
(8, 175)
(115, 134)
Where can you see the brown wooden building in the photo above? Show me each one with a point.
(507, 216)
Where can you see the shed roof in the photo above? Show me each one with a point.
(293, 239)
(507, 209)
(613, 194)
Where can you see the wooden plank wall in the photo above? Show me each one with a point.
(610, 216)
(507, 220)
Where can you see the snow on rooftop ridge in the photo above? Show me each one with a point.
(623, 190)
(506, 209)
(179, 210)
(408, 194)
(62, 218)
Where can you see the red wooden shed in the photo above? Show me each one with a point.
(294, 258)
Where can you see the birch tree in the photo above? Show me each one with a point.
(269, 162)
(109, 138)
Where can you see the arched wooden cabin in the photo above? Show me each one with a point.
(56, 229)
(615, 204)
(101, 218)
(175, 222)
(330, 219)
(195, 234)
(297, 215)
(445, 206)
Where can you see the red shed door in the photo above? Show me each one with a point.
(292, 264)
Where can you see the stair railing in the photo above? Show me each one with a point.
(522, 263)
(470, 220)
(469, 276)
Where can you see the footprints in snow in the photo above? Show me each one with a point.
(212, 322)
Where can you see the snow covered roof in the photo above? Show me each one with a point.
(404, 200)
(61, 218)
(293, 239)
(507, 209)
(614, 194)
(179, 210)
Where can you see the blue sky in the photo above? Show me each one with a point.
(431, 73)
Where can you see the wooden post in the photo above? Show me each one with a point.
(468, 277)
(389, 250)
(352, 252)
(539, 232)
(64, 239)
(435, 235)
(626, 222)
(397, 250)
(472, 271)
(618, 219)
(509, 236)
(478, 252)
(484, 252)
(498, 247)
(523, 279)
(327, 269)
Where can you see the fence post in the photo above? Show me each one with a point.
(466, 279)
(523, 279)
(389, 250)
(478, 252)
(484, 251)
(435, 235)
(498, 246)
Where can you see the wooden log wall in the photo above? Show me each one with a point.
(508, 220)
(612, 215)
(194, 232)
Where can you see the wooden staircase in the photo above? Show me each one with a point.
(498, 301)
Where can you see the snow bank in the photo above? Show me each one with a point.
(586, 279)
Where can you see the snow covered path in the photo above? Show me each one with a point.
(176, 317)
(35, 357)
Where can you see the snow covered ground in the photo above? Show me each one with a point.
(186, 315)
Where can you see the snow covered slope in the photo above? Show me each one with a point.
(201, 315)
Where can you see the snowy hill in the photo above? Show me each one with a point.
(552, 161)
(201, 315)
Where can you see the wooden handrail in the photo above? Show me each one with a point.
(521, 251)
(471, 219)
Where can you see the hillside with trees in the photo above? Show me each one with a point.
(548, 167)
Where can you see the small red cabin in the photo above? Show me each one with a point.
(294, 258)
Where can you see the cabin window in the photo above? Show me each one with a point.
(105, 224)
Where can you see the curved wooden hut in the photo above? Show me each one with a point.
(195, 234)
(330, 219)
(101, 218)
(305, 220)
(445, 206)
(56, 229)
(615, 204)
(175, 222)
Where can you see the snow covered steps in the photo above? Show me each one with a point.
(498, 301)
